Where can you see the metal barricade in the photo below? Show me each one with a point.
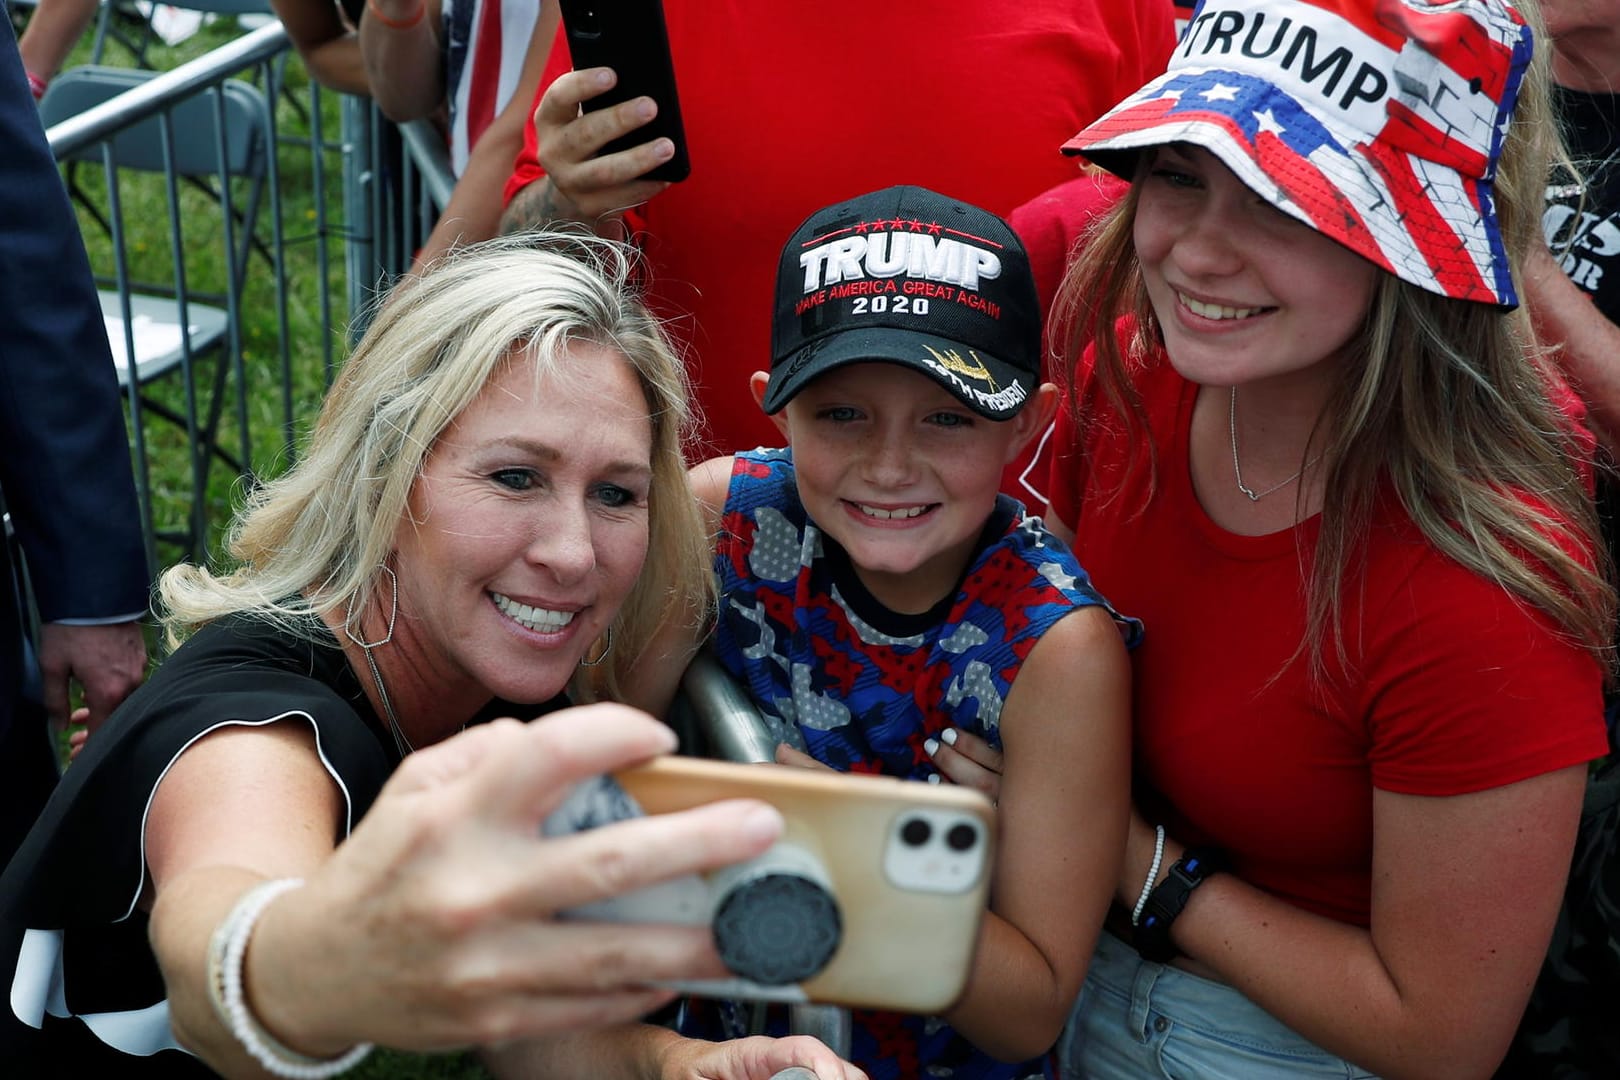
(724, 724)
(397, 180)
(189, 197)
(241, 230)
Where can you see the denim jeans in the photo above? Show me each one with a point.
(1137, 1020)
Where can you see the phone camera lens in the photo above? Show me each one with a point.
(961, 837)
(915, 832)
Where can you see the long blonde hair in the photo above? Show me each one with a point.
(313, 541)
(1447, 404)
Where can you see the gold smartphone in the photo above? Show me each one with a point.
(872, 898)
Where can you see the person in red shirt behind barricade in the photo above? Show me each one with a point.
(788, 107)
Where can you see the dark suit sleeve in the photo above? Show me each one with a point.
(64, 458)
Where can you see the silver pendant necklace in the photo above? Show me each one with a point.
(401, 743)
(1237, 469)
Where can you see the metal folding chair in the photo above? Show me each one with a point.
(219, 137)
(127, 23)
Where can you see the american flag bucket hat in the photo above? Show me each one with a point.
(1378, 123)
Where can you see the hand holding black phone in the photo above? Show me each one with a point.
(629, 36)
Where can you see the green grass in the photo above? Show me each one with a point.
(286, 371)
(392, 1065)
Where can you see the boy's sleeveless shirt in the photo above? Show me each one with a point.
(862, 685)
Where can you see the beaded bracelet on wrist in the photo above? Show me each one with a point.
(1152, 875)
(227, 949)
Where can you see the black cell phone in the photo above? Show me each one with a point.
(630, 37)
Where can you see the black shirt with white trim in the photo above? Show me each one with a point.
(85, 994)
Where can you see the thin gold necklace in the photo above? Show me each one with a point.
(1237, 469)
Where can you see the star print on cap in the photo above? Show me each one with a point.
(1378, 123)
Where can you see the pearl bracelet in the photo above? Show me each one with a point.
(226, 951)
(1152, 875)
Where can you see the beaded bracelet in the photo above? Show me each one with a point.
(226, 951)
(1152, 875)
(397, 24)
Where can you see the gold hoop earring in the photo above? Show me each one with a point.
(607, 647)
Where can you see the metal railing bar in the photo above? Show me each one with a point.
(132, 388)
(426, 149)
(210, 69)
(197, 510)
(273, 77)
(318, 182)
(235, 273)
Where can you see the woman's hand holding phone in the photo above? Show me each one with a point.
(586, 187)
(872, 897)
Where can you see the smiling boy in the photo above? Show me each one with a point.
(878, 595)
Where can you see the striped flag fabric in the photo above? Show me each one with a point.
(1377, 122)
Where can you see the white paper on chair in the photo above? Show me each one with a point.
(172, 24)
(152, 338)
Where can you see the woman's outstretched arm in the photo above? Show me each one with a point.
(433, 926)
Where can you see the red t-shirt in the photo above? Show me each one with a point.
(1455, 686)
(790, 107)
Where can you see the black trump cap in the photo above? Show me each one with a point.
(908, 276)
